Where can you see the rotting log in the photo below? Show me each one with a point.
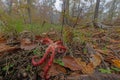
(102, 26)
(97, 76)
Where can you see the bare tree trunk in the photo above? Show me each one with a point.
(21, 12)
(29, 11)
(9, 3)
(73, 12)
(66, 11)
(51, 17)
(96, 12)
(63, 18)
(79, 12)
(63, 13)
(77, 18)
(112, 10)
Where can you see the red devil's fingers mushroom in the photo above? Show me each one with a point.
(53, 47)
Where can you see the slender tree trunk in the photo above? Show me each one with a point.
(73, 10)
(79, 12)
(29, 11)
(112, 10)
(22, 13)
(9, 3)
(63, 18)
(63, 13)
(66, 11)
(96, 12)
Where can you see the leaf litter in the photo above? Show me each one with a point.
(101, 57)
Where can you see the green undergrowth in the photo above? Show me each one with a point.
(72, 35)
(18, 26)
(9, 23)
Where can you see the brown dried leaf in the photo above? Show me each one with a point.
(116, 63)
(109, 58)
(114, 47)
(86, 68)
(2, 40)
(56, 69)
(89, 69)
(26, 44)
(114, 41)
(95, 59)
(6, 48)
(71, 63)
(105, 52)
(99, 35)
(26, 41)
(38, 38)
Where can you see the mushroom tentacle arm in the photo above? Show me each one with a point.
(61, 49)
(49, 64)
(43, 58)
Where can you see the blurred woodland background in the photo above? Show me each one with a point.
(34, 14)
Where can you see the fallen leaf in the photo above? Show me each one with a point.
(109, 58)
(89, 69)
(85, 68)
(95, 59)
(26, 41)
(56, 69)
(105, 52)
(6, 48)
(114, 41)
(99, 35)
(2, 40)
(71, 63)
(116, 63)
(38, 38)
(114, 47)
(26, 44)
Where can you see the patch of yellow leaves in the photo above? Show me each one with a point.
(85, 68)
(116, 63)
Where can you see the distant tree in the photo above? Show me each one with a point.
(96, 12)
(65, 10)
(29, 11)
(112, 10)
(9, 6)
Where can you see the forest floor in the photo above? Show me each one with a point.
(92, 54)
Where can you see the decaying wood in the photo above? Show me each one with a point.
(102, 26)
(91, 50)
(95, 77)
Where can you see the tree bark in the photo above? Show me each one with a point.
(112, 10)
(65, 11)
(78, 15)
(96, 12)
(29, 11)
(9, 3)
